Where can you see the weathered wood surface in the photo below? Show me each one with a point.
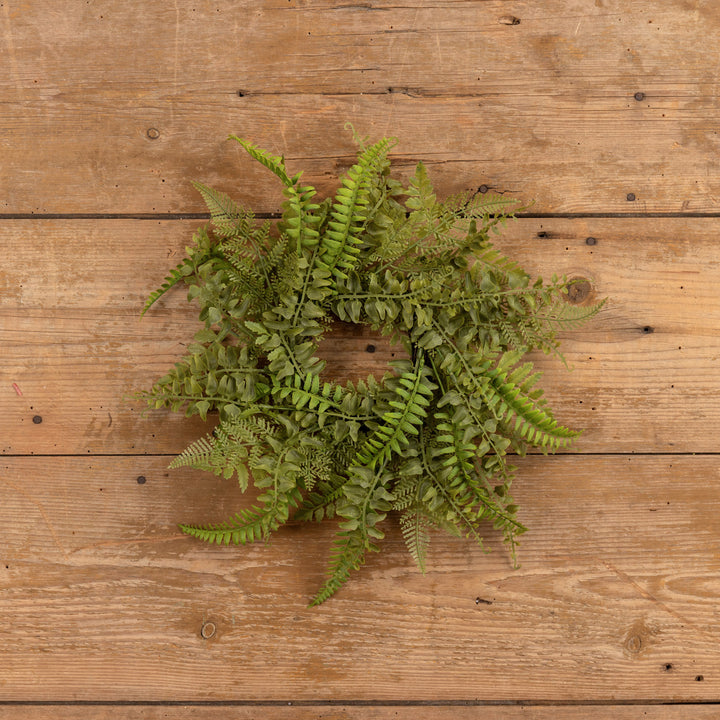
(364, 712)
(616, 599)
(607, 108)
(644, 377)
(114, 107)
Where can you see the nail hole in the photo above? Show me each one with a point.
(240, 93)
(207, 630)
(647, 329)
(699, 678)
(668, 666)
(542, 234)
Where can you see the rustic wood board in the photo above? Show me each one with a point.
(294, 711)
(601, 114)
(111, 109)
(644, 377)
(616, 599)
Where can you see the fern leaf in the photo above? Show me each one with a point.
(244, 527)
(510, 400)
(367, 501)
(341, 240)
(196, 256)
(413, 390)
(197, 455)
(228, 218)
(348, 555)
(177, 274)
(568, 317)
(479, 205)
(415, 530)
(274, 163)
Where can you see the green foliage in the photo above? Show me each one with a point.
(431, 441)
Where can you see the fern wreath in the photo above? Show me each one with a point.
(430, 441)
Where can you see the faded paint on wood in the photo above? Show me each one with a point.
(643, 377)
(107, 108)
(616, 598)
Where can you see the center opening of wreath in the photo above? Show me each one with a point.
(352, 352)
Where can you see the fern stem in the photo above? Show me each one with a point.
(306, 280)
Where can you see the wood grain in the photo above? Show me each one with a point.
(643, 377)
(107, 109)
(616, 599)
(363, 712)
(580, 108)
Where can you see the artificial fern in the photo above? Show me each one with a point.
(431, 441)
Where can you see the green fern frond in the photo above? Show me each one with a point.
(366, 504)
(196, 455)
(413, 390)
(569, 317)
(415, 528)
(228, 218)
(274, 163)
(299, 220)
(244, 527)
(508, 396)
(340, 243)
(348, 554)
(497, 270)
(482, 205)
(177, 275)
(276, 249)
(201, 252)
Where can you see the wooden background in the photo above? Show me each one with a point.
(603, 114)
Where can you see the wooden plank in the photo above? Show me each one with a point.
(361, 712)
(644, 372)
(544, 109)
(616, 599)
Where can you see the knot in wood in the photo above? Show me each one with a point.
(578, 291)
(207, 630)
